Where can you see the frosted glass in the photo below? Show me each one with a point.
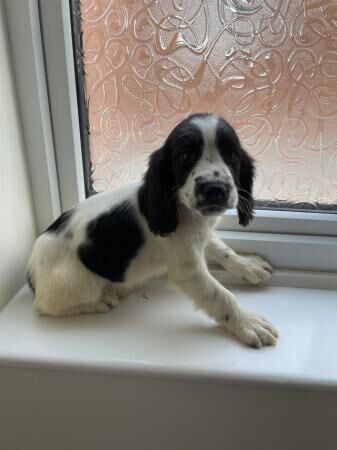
(269, 67)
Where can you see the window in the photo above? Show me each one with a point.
(150, 63)
(269, 67)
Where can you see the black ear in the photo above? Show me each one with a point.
(245, 189)
(157, 196)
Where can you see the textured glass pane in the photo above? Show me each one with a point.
(269, 67)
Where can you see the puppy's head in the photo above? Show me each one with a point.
(202, 166)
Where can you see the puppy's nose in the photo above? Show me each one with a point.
(214, 192)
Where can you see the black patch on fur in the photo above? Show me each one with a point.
(157, 197)
(241, 166)
(30, 282)
(60, 224)
(246, 202)
(168, 170)
(113, 240)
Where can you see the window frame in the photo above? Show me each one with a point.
(281, 222)
(289, 239)
(56, 40)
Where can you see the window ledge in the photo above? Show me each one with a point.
(157, 332)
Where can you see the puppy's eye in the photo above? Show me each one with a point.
(185, 157)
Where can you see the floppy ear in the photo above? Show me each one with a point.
(246, 178)
(157, 197)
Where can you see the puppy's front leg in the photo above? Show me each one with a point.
(252, 268)
(191, 276)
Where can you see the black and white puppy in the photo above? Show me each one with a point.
(94, 254)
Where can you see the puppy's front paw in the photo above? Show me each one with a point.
(254, 269)
(252, 329)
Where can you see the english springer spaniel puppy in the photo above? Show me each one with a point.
(94, 254)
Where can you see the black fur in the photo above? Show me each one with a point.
(246, 202)
(185, 140)
(166, 173)
(157, 197)
(242, 167)
(60, 223)
(113, 240)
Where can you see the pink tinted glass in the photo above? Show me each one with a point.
(269, 67)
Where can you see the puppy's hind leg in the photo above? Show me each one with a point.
(68, 288)
(85, 308)
(110, 297)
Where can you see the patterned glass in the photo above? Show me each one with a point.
(268, 66)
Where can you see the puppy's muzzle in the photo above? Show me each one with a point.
(212, 196)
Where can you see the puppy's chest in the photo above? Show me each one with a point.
(191, 236)
(149, 262)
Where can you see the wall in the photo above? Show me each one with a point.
(17, 224)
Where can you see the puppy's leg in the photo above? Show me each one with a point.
(251, 268)
(63, 285)
(83, 308)
(61, 300)
(190, 275)
(68, 288)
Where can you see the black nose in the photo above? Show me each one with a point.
(214, 192)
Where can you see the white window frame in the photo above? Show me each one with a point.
(301, 245)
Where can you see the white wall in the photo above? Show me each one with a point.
(17, 224)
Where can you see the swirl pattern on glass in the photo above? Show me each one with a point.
(269, 67)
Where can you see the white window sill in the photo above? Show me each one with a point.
(156, 374)
(157, 332)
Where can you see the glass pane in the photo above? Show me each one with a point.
(269, 67)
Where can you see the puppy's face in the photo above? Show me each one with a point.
(202, 166)
(207, 159)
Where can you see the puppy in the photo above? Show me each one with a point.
(94, 254)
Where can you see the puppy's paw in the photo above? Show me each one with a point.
(109, 298)
(112, 295)
(86, 308)
(252, 329)
(123, 293)
(100, 307)
(253, 269)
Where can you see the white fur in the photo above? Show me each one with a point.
(64, 286)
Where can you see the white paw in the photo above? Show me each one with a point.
(123, 292)
(252, 329)
(101, 308)
(109, 298)
(253, 269)
(112, 295)
(87, 308)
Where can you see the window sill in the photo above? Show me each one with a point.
(158, 333)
